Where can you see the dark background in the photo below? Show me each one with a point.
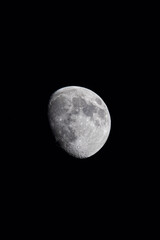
(100, 50)
(48, 53)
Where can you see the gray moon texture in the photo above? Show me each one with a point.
(80, 120)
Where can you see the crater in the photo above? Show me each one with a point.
(98, 100)
(75, 111)
(69, 91)
(78, 102)
(59, 106)
(67, 134)
(97, 123)
(68, 119)
(101, 114)
(89, 109)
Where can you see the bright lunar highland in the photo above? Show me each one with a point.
(80, 120)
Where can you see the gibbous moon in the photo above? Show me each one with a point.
(80, 120)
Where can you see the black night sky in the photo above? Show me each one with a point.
(54, 54)
(101, 53)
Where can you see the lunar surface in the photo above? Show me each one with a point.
(80, 120)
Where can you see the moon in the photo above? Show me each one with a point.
(80, 120)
